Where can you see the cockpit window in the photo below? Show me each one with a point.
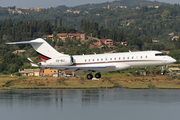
(160, 54)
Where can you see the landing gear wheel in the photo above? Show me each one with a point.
(89, 76)
(98, 75)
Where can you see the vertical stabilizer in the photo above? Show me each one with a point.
(44, 50)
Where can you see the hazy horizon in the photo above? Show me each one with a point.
(55, 3)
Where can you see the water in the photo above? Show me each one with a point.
(97, 104)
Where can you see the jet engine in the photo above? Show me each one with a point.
(59, 61)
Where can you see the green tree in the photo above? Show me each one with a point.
(60, 22)
(165, 14)
(60, 42)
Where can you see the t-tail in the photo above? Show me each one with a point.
(44, 50)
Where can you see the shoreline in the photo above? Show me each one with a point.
(144, 82)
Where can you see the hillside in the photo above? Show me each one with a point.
(128, 3)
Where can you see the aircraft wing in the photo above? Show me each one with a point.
(79, 67)
(82, 68)
(108, 67)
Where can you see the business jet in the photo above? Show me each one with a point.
(94, 62)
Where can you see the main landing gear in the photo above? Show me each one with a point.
(90, 76)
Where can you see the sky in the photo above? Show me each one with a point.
(55, 3)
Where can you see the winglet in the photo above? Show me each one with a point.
(32, 63)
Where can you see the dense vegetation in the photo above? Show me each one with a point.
(138, 27)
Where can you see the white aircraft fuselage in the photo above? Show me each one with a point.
(119, 60)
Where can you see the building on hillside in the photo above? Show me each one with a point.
(48, 36)
(30, 72)
(63, 36)
(174, 69)
(67, 73)
(93, 38)
(173, 65)
(123, 7)
(76, 12)
(10, 11)
(105, 41)
(156, 7)
(175, 38)
(108, 7)
(49, 72)
(167, 52)
(155, 41)
(77, 36)
(99, 42)
(171, 34)
(19, 51)
(38, 9)
(124, 43)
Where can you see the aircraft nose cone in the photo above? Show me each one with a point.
(173, 60)
(170, 60)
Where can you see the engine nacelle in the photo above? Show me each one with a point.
(60, 61)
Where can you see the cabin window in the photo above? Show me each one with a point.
(141, 57)
(119, 58)
(124, 58)
(146, 56)
(54, 71)
(85, 60)
(114, 58)
(127, 57)
(132, 57)
(106, 59)
(97, 59)
(93, 59)
(89, 60)
(101, 59)
(110, 58)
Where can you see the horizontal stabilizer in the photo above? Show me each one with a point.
(32, 63)
(24, 42)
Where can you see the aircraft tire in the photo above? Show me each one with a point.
(89, 76)
(98, 75)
